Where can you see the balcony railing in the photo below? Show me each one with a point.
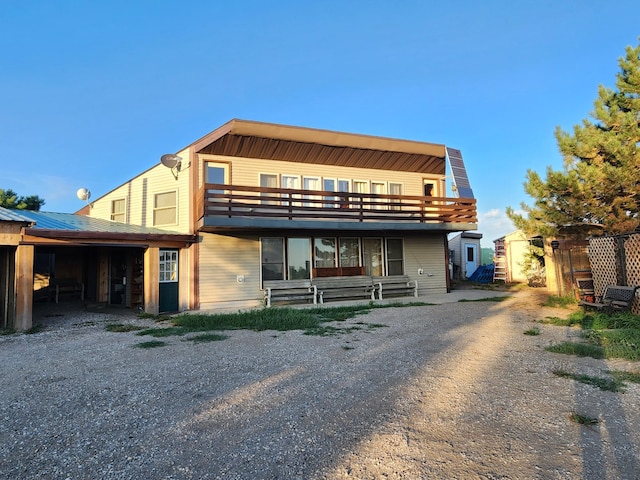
(239, 201)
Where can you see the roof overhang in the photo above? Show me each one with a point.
(38, 236)
(248, 139)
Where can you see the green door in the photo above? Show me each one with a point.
(168, 298)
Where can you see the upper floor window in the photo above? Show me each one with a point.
(165, 208)
(117, 210)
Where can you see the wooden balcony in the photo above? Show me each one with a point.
(245, 207)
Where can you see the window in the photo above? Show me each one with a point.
(272, 258)
(324, 252)
(395, 256)
(395, 189)
(168, 266)
(343, 187)
(270, 181)
(329, 185)
(311, 183)
(216, 172)
(165, 210)
(290, 181)
(379, 188)
(349, 252)
(117, 210)
(372, 250)
(299, 258)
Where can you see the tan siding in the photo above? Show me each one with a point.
(139, 194)
(426, 252)
(222, 259)
(246, 171)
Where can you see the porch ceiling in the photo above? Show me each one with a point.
(240, 138)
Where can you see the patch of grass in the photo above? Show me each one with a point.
(532, 331)
(7, 331)
(163, 332)
(347, 347)
(562, 302)
(606, 384)
(208, 337)
(151, 344)
(35, 329)
(620, 343)
(121, 327)
(622, 376)
(578, 349)
(487, 299)
(583, 419)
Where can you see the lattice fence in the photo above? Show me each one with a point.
(603, 256)
(615, 261)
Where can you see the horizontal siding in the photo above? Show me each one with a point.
(246, 171)
(426, 252)
(139, 195)
(222, 259)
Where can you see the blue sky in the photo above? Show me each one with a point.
(93, 92)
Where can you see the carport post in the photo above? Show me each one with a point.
(152, 280)
(24, 287)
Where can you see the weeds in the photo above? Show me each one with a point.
(487, 299)
(208, 337)
(578, 349)
(583, 419)
(610, 385)
(532, 331)
(122, 327)
(562, 302)
(150, 344)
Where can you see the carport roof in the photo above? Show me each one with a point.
(7, 215)
(82, 223)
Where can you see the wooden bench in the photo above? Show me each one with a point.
(289, 291)
(66, 287)
(615, 298)
(395, 285)
(334, 288)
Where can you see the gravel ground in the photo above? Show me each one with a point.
(444, 391)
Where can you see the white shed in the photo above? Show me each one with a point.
(464, 249)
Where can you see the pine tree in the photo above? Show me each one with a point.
(10, 199)
(598, 191)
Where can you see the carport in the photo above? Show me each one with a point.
(57, 257)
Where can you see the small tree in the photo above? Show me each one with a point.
(599, 188)
(10, 199)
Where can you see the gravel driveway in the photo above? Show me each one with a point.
(444, 391)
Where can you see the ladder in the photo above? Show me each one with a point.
(500, 262)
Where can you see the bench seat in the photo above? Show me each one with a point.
(335, 288)
(66, 287)
(289, 291)
(615, 298)
(395, 285)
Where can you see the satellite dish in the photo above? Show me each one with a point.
(83, 194)
(170, 160)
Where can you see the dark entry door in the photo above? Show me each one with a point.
(168, 300)
(118, 279)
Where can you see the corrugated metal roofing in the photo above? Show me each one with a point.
(7, 215)
(81, 223)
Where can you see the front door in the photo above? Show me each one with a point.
(471, 261)
(168, 271)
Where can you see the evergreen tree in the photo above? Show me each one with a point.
(10, 199)
(598, 191)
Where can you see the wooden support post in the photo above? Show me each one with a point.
(24, 287)
(152, 280)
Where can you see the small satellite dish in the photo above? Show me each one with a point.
(83, 194)
(170, 160)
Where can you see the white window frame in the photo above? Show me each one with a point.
(168, 267)
(123, 213)
(162, 209)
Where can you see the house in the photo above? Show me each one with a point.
(252, 202)
(465, 254)
(276, 202)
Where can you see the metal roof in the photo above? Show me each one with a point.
(81, 223)
(7, 215)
